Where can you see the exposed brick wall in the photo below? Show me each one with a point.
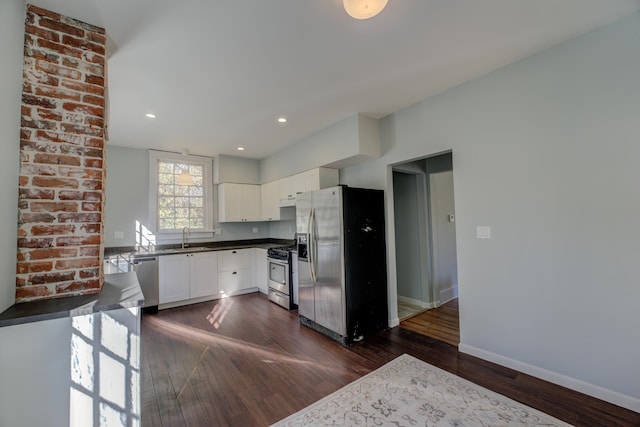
(61, 196)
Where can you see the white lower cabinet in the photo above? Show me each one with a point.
(187, 276)
(234, 270)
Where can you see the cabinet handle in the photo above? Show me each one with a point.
(234, 272)
(233, 252)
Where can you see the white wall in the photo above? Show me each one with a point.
(12, 13)
(546, 152)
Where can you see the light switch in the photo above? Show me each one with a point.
(483, 232)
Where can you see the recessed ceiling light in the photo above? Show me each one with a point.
(151, 115)
(240, 148)
(282, 120)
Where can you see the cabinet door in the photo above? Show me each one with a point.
(287, 195)
(232, 281)
(270, 201)
(174, 278)
(203, 274)
(234, 259)
(230, 202)
(251, 203)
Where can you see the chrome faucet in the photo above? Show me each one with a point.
(185, 232)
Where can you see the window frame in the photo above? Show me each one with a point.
(207, 180)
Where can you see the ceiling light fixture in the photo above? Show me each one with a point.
(240, 148)
(282, 119)
(364, 9)
(151, 115)
(185, 178)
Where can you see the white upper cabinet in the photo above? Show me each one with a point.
(270, 203)
(238, 202)
(311, 180)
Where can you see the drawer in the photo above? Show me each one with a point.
(235, 280)
(234, 259)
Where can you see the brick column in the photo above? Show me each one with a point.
(62, 157)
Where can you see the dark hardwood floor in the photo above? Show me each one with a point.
(244, 361)
(442, 323)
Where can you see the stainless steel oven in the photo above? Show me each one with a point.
(280, 277)
(279, 281)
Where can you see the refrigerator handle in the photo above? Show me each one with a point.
(311, 245)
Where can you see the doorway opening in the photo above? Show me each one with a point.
(426, 260)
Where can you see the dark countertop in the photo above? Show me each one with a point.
(120, 290)
(173, 249)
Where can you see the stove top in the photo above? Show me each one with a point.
(281, 252)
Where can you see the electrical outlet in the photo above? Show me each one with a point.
(118, 235)
(255, 229)
(483, 232)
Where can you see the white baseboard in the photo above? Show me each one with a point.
(593, 390)
(448, 294)
(413, 301)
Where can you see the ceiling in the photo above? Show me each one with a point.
(219, 73)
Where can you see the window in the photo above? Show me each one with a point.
(176, 205)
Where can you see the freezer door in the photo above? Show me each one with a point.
(329, 268)
(305, 283)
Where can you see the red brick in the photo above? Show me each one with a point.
(59, 48)
(42, 32)
(25, 110)
(39, 181)
(33, 267)
(93, 163)
(94, 58)
(89, 251)
(91, 206)
(56, 159)
(91, 228)
(94, 142)
(51, 230)
(38, 124)
(89, 273)
(31, 169)
(83, 44)
(39, 279)
(86, 286)
(38, 77)
(83, 109)
(53, 253)
(28, 218)
(25, 133)
(95, 80)
(82, 130)
(70, 195)
(54, 92)
(36, 194)
(40, 147)
(92, 184)
(35, 243)
(42, 12)
(71, 62)
(31, 52)
(78, 240)
(27, 292)
(94, 122)
(54, 207)
(45, 114)
(92, 196)
(96, 38)
(21, 256)
(82, 87)
(58, 70)
(70, 264)
(62, 27)
(79, 217)
(39, 101)
(23, 180)
(95, 100)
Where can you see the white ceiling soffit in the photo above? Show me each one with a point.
(219, 73)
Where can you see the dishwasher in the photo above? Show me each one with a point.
(146, 269)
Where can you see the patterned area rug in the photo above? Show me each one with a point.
(409, 392)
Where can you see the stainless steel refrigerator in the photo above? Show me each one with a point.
(342, 270)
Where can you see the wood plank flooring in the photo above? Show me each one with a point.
(442, 323)
(244, 361)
